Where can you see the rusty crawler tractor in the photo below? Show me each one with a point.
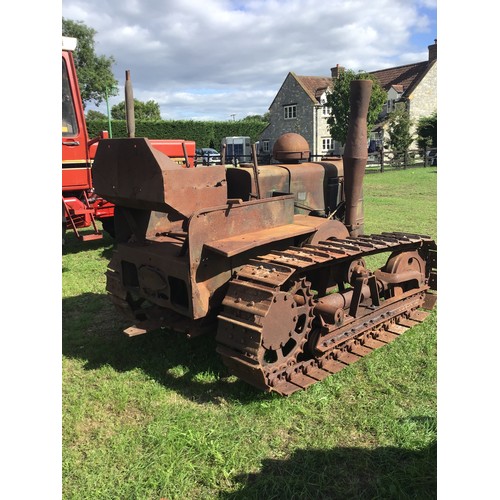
(290, 291)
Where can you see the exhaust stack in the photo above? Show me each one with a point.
(129, 105)
(356, 155)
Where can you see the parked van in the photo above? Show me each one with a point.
(238, 149)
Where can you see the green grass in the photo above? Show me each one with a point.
(403, 200)
(158, 416)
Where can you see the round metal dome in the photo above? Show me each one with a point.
(291, 147)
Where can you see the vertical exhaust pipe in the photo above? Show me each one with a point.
(129, 105)
(356, 155)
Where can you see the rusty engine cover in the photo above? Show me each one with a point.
(134, 174)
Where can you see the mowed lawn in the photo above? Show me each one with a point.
(157, 416)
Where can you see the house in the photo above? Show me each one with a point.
(300, 104)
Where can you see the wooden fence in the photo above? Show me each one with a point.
(378, 161)
(390, 160)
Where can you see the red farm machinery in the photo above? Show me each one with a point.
(81, 206)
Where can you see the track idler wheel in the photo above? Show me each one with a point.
(403, 264)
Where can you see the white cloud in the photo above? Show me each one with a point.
(240, 52)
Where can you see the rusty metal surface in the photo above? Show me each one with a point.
(208, 269)
(356, 154)
(315, 186)
(159, 261)
(233, 245)
(229, 221)
(285, 281)
(291, 147)
(132, 173)
(129, 105)
(267, 329)
(278, 357)
(272, 179)
(306, 182)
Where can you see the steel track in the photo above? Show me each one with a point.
(242, 334)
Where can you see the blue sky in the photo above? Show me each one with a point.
(211, 59)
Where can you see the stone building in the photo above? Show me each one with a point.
(412, 85)
(300, 104)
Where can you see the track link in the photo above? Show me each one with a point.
(275, 347)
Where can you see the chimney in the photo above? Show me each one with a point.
(433, 51)
(336, 71)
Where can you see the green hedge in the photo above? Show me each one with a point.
(205, 134)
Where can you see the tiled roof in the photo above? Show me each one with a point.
(406, 76)
(402, 78)
(314, 85)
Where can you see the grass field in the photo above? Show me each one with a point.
(158, 416)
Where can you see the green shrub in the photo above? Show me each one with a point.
(206, 134)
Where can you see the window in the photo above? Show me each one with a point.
(290, 111)
(327, 111)
(69, 126)
(328, 143)
(234, 149)
(265, 146)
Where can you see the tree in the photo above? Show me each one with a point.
(92, 114)
(427, 131)
(260, 118)
(399, 131)
(400, 136)
(338, 102)
(95, 76)
(144, 111)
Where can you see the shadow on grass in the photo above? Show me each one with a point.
(345, 473)
(73, 245)
(92, 331)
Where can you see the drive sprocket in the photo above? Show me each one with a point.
(263, 330)
(286, 326)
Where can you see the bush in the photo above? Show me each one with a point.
(205, 134)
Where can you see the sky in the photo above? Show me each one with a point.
(226, 59)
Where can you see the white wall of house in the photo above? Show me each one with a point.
(421, 103)
(423, 100)
(323, 141)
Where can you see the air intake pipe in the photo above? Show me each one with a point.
(356, 155)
